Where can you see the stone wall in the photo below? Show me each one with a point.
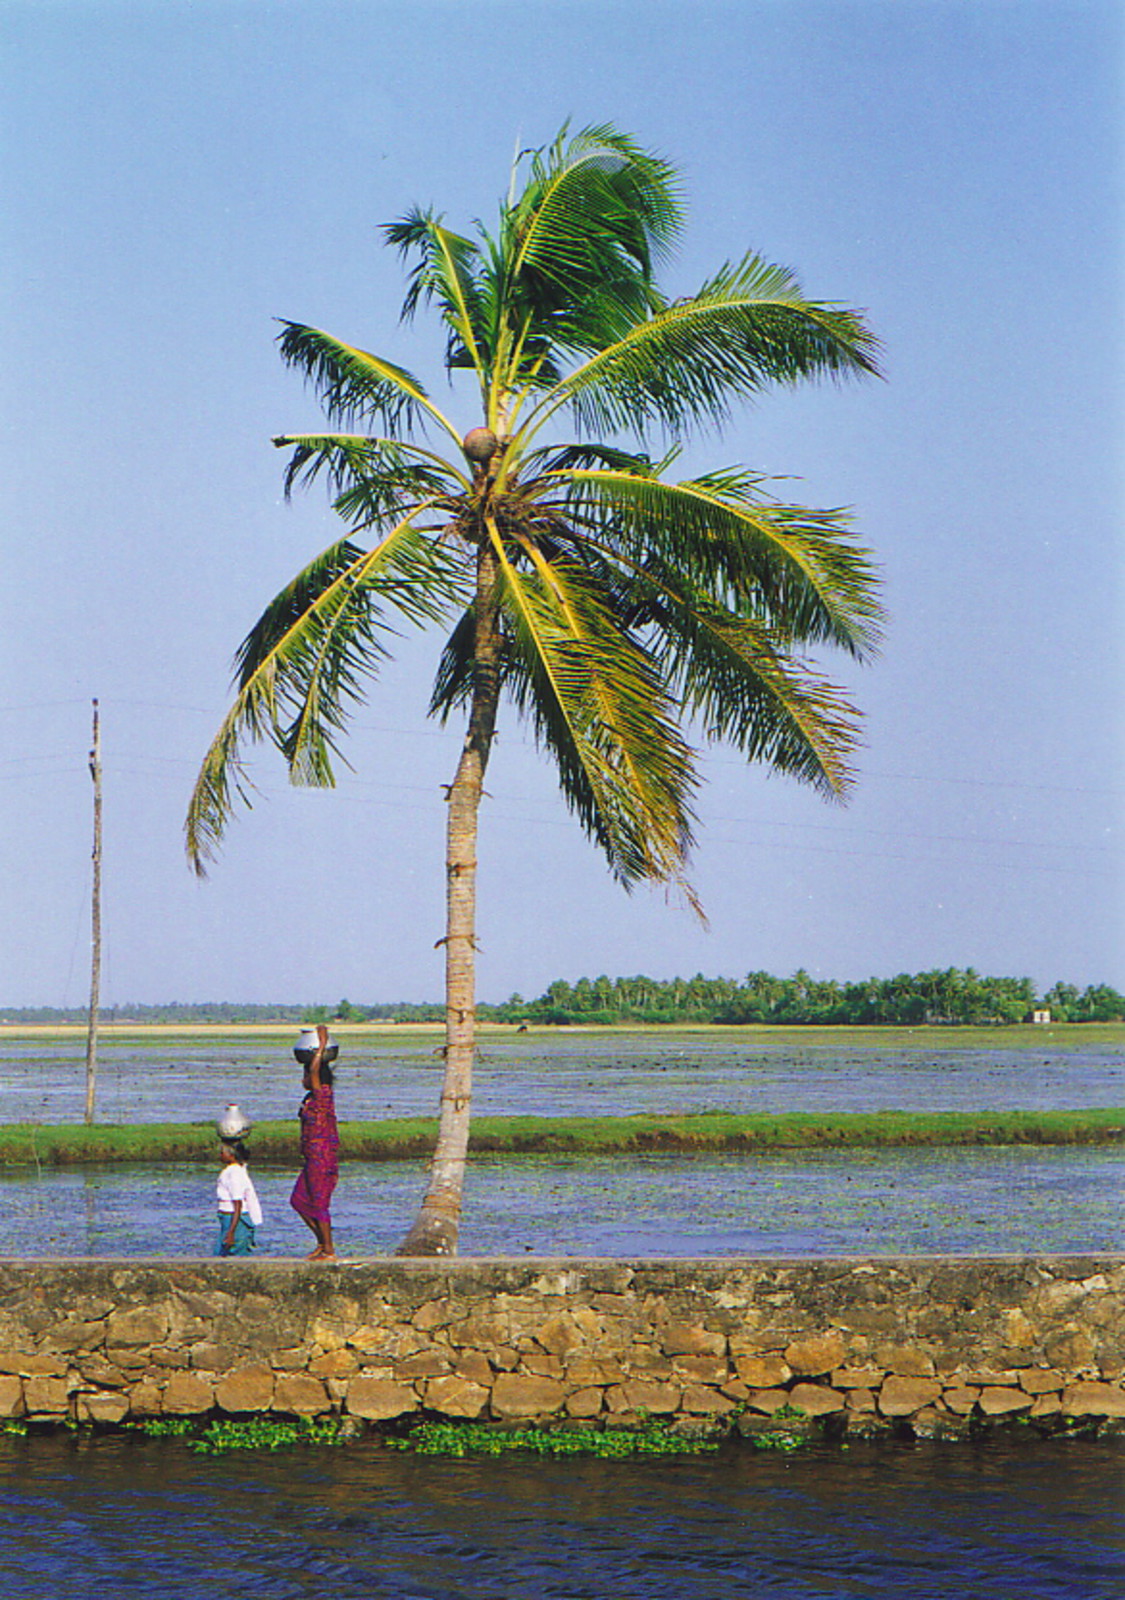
(933, 1345)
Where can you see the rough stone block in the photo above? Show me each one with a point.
(104, 1407)
(432, 1314)
(1002, 1402)
(901, 1397)
(858, 1377)
(187, 1394)
(376, 1399)
(130, 1358)
(46, 1397)
(293, 1359)
(246, 1389)
(809, 1358)
(691, 1339)
(518, 1395)
(584, 1370)
(960, 1399)
(584, 1403)
(144, 1325)
(11, 1396)
(146, 1399)
(646, 1361)
(699, 1400)
(861, 1401)
(1019, 1331)
(640, 1396)
(768, 1400)
(95, 1370)
(559, 1335)
(906, 1360)
(296, 1392)
(702, 1369)
(215, 1357)
(328, 1333)
(763, 1372)
(1041, 1380)
(340, 1363)
(1072, 1348)
(815, 1400)
(30, 1364)
(483, 1330)
(70, 1337)
(474, 1366)
(1093, 1400)
(169, 1360)
(541, 1364)
(456, 1397)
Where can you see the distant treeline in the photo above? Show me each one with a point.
(954, 996)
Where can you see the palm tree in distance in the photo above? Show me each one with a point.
(615, 608)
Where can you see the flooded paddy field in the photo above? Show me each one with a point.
(1006, 1520)
(563, 1074)
(962, 1201)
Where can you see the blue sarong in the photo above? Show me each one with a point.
(244, 1240)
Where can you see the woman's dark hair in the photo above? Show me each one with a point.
(237, 1149)
(327, 1076)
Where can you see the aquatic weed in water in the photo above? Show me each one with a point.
(474, 1438)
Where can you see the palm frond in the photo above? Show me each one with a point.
(747, 328)
(591, 200)
(597, 702)
(300, 670)
(370, 479)
(746, 688)
(800, 569)
(355, 385)
(446, 271)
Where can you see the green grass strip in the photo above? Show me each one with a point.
(40, 1145)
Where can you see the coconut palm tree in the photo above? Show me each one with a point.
(619, 610)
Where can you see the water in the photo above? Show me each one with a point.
(128, 1517)
(1023, 1200)
(565, 1075)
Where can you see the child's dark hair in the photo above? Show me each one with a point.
(237, 1149)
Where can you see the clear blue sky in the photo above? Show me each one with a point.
(176, 176)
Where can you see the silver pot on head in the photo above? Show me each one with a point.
(233, 1124)
(305, 1048)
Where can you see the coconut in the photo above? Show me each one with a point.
(480, 445)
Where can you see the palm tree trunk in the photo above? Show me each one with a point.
(436, 1227)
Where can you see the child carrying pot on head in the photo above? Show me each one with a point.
(240, 1215)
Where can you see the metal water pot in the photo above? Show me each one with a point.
(233, 1124)
(305, 1048)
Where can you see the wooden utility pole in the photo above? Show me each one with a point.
(96, 918)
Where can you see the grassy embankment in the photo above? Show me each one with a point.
(414, 1035)
(27, 1144)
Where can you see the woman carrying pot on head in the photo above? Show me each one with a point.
(320, 1143)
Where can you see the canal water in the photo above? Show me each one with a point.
(1025, 1520)
(565, 1075)
(986, 1201)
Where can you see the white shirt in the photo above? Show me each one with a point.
(234, 1184)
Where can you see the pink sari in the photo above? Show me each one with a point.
(320, 1143)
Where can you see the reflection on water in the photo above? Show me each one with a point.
(562, 1076)
(127, 1517)
(1023, 1200)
